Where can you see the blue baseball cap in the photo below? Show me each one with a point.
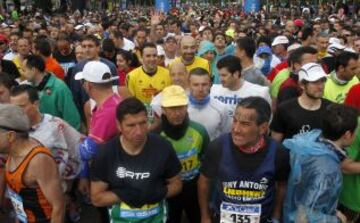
(263, 49)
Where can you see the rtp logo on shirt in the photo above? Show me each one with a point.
(122, 173)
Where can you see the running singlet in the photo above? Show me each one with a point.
(189, 148)
(245, 196)
(29, 204)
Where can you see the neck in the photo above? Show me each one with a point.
(20, 147)
(37, 119)
(339, 76)
(148, 70)
(309, 103)
(101, 96)
(170, 55)
(246, 62)
(38, 78)
(237, 85)
(187, 62)
(130, 148)
(338, 143)
(220, 50)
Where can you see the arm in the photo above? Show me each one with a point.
(279, 199)
(349, 166)
(100, 196)
(174, 186)
(48, 180)
(203, 197)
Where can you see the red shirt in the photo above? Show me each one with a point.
(353, 97)
(51, 65)
(122, 76)
(276, 70)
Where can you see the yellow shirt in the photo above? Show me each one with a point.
(19, 65)
(143, 86)
(335, 92)
(198, 62)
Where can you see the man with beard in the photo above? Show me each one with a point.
(302, 114)
(188, 50)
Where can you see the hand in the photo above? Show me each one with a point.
(155, 18)
(84, 186)
(341, 216)
(206, 219)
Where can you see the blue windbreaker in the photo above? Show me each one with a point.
(315, 180)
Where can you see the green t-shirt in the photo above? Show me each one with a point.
(189, 149)
(337, 92)
(350, 194)
(56, 99)
(280, 78)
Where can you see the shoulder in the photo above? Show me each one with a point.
(255, 87)
(217, 105)
(107, 62)
(162, 70)
(156, 141)
(200, 59)
(288, 104)
(135, 71)
(198, 127)
(216, 88)
(108, 146)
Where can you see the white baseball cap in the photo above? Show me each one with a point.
(311, 72)
(95, 72)
(332, 48)
(280, 40)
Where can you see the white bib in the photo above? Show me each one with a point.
(240, 213)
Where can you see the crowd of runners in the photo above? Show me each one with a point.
(201, 114)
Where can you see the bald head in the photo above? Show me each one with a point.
(179, 74)
(188, 49)
(187, 40)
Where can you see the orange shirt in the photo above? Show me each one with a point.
(51, 65)
(29, 204)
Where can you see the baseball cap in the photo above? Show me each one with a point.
(173, 96)
(293, 46)
(95, 72)
(298, 22)
(13, 118)
(262, 50)
(280, 40)
(332, 48)
(311, 72)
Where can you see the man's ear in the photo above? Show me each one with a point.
(264, 128)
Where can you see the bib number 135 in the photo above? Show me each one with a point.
(245, 213)
(236, 218)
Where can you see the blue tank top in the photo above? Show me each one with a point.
(239, 187)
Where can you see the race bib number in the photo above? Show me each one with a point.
(18, 205)
(240, 213)
(190, 164)
(145, 211)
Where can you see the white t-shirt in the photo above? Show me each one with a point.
(232, 98)
(63, 141)
(212, 116)
(128, 45)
